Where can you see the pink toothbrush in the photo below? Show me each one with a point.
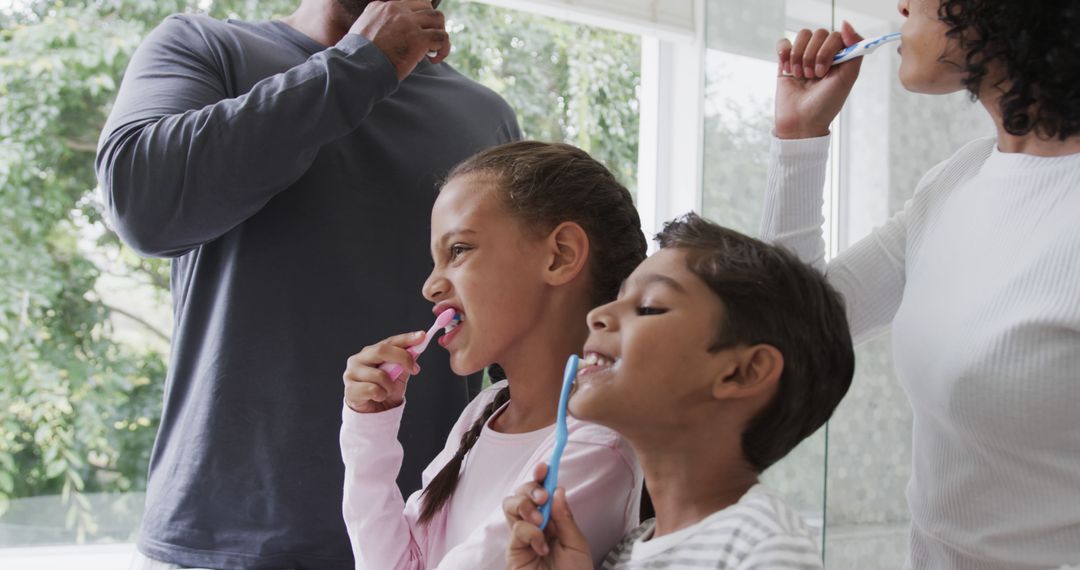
(444, 318)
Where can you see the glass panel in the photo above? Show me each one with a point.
(567, 82)
(884, 151)
(740, 80)
(84, 322)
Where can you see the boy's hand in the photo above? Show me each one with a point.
(809, 92)
(560, 546)
(368, 389)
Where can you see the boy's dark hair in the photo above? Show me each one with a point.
(544, 185)
(770, 297)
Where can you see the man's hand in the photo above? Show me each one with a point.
(405, 31)
(561, 545)
(369, 389)
(809, 91)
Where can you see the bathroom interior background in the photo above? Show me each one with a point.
(86, 323)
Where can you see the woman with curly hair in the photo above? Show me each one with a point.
(978, 276)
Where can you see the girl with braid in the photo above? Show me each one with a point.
(526, 238)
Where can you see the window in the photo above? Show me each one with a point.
(86, 323)
(883, 150)
(849, 478)
(674, 95)
(740, 81)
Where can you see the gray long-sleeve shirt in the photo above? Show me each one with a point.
(292, 186)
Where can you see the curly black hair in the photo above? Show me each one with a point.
(1036, 44)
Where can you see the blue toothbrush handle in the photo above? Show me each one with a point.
(863, 48)
(844, 52)
(551, 480)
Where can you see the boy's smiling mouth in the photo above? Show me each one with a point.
(595, 361)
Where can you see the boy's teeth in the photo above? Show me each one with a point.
(592, 359)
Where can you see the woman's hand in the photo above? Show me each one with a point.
(809, 92)
(369, 389)
(561, 545)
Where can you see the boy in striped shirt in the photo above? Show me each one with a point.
(719, 356)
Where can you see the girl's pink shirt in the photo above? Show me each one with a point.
(598, 470)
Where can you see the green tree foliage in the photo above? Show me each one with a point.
(78, 405)
(566, 82)
(65, 385)
(737, 164)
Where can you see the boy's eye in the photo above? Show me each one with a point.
(645, 311)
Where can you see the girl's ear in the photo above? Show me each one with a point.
(568, 253)
(749, 372)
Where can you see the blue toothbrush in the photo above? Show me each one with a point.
(863, 48)
(552, 478)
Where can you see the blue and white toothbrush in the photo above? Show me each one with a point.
(864, 47)
(552, 478)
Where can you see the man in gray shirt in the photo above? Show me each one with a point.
(288, 168)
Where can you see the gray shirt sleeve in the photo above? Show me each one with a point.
(182, 160)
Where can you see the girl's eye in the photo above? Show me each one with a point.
(645, 311)
(456, 250)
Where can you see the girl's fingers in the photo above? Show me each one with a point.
(366, 382)
(809, 59)
(801, 40)
(404, 340)
(390, 351)
(363, 373)
(359, 393)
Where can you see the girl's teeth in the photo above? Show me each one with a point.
(453, 324)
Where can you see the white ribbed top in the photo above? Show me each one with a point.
(979, 277)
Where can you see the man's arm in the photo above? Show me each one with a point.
(181, 161)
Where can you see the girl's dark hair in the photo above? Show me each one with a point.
(1036, 45)
(770, 297)
(544, 185)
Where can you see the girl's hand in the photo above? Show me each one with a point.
(561, 545)
(368, 389)
(810, 93)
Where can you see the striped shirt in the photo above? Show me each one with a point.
(760, 531)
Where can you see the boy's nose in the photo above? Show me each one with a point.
(902, 7)
(599, 319)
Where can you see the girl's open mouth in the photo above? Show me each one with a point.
(451, 330)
